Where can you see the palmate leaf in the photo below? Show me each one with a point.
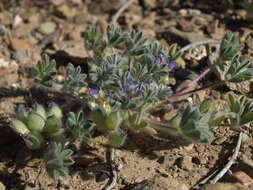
(241, 110)
(57, 159)
(229, 47)
(115, 35)
(239, 71)
(92, 38)
(135, 43)
(190, 124)
(78, 126)
(74, 79)
(44, 71)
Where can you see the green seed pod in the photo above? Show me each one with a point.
(34, 140)
(175, 121)
(112, 121)
(19, 127)
(53, 124)
(22, 114)
(35, 122)
(149, 130)
(93, 67)
(39, 109)
(98, 117)
(56, 111)
(116, 138)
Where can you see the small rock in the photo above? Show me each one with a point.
(47, 28)
(65, 11)
(3, 30)
(219, 141)
(223, 186)
(17, 21)
(102, 177)
(249, 42)
(242, 178)
(75, 33)
(17, 44)
(158, 183)
(57, 2)
(186, 26)
(150, 3)
(2, 187)
(185, 163)
(200, 160)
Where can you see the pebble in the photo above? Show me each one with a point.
(2, 187)
(101, 177)
(17, 44)
(242, 178)
(47, 28)
(223, 186)
(185, 163)
(3, 30)
(65, 11)
(17, 21)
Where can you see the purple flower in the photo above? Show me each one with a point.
(170, 65)
(131, 82)
(159, 59)
(94, 91)
(106, 95)
(137, 90)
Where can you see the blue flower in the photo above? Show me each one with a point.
(94, 91)
(137, 90)
(170, 64)
(159, 59)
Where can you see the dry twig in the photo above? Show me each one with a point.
(189, 46)
(113, 170)
(231, 161)
(120, 11)
(225, 169)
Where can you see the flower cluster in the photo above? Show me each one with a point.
(159, 60)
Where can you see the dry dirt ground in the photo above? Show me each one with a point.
(30, 28)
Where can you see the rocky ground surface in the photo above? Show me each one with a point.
(31, 28)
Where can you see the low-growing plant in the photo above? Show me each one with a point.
(128, 79)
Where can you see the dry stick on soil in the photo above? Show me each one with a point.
(120, 11)
(231, 161)
(198, 44)
(204, 181)
(113, 170)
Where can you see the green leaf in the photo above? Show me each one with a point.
(92, 38)
(44, 71)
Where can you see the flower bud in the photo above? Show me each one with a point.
(56, 111)
(19, 127)
(34, 140)
(22, 114)
(39, 109)
(53, 124)
(106, 107)
(35, 122)
(165, 80)
(116, 138)
(93, 67)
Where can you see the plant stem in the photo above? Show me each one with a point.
(198, 89)
(185, 93)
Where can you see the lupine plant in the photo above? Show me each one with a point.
(129, 78)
